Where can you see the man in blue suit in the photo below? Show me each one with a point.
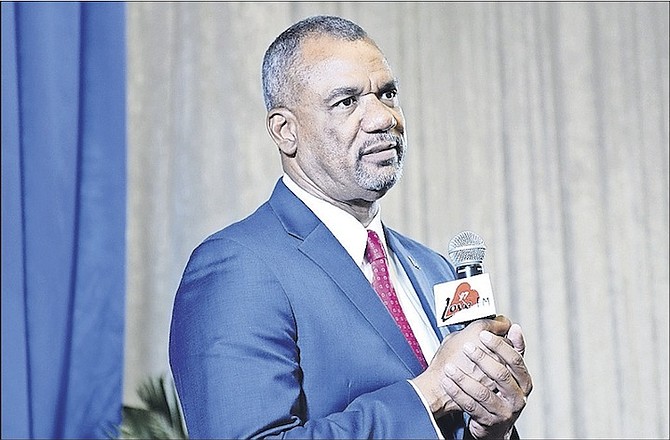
(281, 327)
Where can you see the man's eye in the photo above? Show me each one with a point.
(391, 94)
(348, 102)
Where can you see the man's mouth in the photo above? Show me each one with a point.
(381, 152)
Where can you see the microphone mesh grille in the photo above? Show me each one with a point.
(466, 247)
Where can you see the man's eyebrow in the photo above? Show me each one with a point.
(343, 91)
(355, 91)
(388, 86)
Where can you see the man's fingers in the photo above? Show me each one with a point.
(510, 356)
(499, 325)
(456, 383)
(473, 398)
(515, 335)
(497, 371)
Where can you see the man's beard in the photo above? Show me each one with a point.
(371, 179)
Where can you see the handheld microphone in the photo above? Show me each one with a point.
(466, 252)
(470, 296)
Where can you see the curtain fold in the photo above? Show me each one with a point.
(542, 126)
(63, 218)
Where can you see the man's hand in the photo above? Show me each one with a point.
(493, 412)
(450, 352)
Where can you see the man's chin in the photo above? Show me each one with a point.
(380, 184)
(379, 177)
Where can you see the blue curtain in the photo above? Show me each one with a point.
(63, 218)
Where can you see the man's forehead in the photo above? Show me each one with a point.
(321, 47)
(328, 56)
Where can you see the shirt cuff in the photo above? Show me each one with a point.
(430, 414)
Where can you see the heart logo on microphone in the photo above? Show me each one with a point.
(464, 298)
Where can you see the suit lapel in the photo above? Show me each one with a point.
(339, 266)
(422, 286)
(319, 244)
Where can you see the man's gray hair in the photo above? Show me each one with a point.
(280, 58)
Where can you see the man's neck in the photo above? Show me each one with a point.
(362, 210)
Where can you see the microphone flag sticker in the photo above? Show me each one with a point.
(464, 300)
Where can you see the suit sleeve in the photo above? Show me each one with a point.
(235, 360)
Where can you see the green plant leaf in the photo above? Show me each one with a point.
(160, 419)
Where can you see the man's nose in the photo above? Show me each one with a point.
(378, 117)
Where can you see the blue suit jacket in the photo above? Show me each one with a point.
(276, 331)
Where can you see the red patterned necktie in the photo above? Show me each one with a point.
(381, 282)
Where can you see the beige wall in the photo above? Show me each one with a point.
(541, 126)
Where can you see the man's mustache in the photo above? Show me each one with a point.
(383, 138)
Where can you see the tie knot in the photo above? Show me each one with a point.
(374, 250)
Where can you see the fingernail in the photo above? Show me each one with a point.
(469, 347)
(486, 336)
(450, 369)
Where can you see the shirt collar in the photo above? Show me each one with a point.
(351, 234)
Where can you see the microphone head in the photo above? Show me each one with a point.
(466, 248)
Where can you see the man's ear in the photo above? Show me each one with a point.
(281, 125)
